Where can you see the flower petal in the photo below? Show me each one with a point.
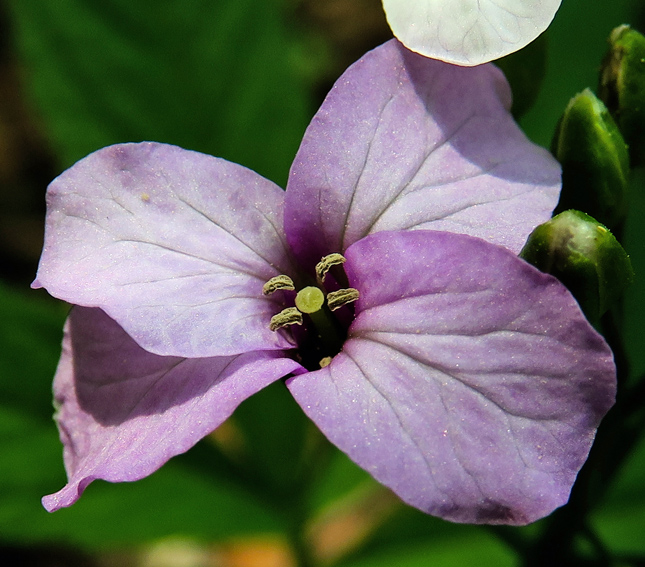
(172, 244)
(468, 32)
(405, 142)
(123, 412)
(470, 384)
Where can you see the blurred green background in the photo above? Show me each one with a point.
(238, 79)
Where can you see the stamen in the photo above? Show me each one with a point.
(288, 316)
(326, 264)
(276, 283)
(310, 299)
(324, 333)
(336, 299)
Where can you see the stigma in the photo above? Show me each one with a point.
(312, 308)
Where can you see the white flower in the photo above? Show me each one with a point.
(468, 32)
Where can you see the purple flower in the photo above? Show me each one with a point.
(455, 373)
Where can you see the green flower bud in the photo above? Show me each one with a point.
(622, 87)
(584, 256)
(595, 162)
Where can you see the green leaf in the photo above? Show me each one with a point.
(416, 540)
(178, 499)
(31, 329)
(273, 434)
(213, 76)
(339, 478)
(620, 521)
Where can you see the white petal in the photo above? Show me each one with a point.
(468, 32)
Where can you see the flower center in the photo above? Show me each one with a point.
(322, 312)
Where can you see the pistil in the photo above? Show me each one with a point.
(324, 334)
(311, 301)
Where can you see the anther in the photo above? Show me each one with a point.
(288, 316)
(276, 283)
(336, 299)
(326, 264)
